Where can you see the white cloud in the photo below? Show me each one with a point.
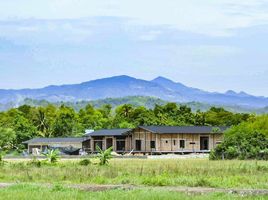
(45, 31)
(216, 18)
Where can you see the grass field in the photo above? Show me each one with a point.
(193, 173)
(26, 192)
(139, 172)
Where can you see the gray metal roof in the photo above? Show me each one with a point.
(56, 140)
(109, 132)
(182, 129)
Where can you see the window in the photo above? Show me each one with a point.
(192, 143)
(182, 144)
(166, 141)
(152, 144)
(174, 142)
(120, 145)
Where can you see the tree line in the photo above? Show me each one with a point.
(25, 122)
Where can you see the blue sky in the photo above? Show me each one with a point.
(212, 45)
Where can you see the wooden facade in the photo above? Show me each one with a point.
(140, 140)
(144, 140)
(147, 142)
(119, 143)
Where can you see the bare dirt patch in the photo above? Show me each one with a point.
(190, 190)
(4, 185)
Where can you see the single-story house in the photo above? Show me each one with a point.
(142, 139)
(68, 145)
(158, 139)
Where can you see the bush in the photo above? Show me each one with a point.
(85, 162)
(2, 155)
(248, 140)
(52, 155)
(104, 156)
(35, 162)
(231, 152)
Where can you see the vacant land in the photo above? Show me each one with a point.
(58, 192)
(192, 172)
(133, 172)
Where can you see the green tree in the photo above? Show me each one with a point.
(65, 122)
(7, 138)
(248, 140)
(23, 127)
(44, 120)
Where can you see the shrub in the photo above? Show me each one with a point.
(248, 140)
(52, 155)
(85, 162)
(104, 156)
(212, 155)
(35, 162)
(2, 154)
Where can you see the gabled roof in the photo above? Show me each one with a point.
(56, 140)
(109, 132)
(182, 129)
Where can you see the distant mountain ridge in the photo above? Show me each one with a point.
(122, 86)
(148, 102)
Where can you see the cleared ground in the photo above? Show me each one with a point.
(149, 178)
(26, 191)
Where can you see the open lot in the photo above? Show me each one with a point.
(25, 192)
(152, 172)
(146, 178)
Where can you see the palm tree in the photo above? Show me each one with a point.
(126, 109)
(42, 123)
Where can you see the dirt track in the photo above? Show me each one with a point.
(189, 190)
(194, 190)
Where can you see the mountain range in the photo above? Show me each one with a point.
(122, 86)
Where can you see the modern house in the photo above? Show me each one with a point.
(142, 139)
(158, 139)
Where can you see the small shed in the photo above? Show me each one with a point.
(68, 145)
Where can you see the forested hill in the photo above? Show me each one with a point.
(122, 86)
(148, 102)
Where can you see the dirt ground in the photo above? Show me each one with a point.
(188, 190)
(165, 156)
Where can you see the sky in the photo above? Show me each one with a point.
(212, 45)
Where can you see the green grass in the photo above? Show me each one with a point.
(193, 173)
(58, 192)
